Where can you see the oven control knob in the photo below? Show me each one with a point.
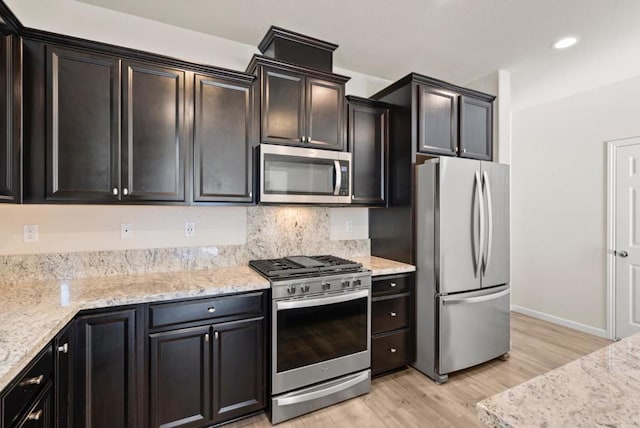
(291, 289)
(357, 282)
(305, 288)
(326, 286)
(346, 283)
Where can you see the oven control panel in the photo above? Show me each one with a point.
(320, 285)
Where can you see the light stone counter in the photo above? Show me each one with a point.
(379, 266)
(32, 313)
(601, 389)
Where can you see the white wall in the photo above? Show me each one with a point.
(86, 228)
(559, 200)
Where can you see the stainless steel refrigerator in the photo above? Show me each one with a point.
(462, 258)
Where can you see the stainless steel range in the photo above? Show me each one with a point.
(321, 329)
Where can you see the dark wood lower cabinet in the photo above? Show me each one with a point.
(238, 369)
(105, 393)
(180, 377)
(63, 349)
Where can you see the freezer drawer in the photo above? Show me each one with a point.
(473, 328)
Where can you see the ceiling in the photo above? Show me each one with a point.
(454, 40)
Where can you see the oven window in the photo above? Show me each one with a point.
(296, 175)
(320, 333)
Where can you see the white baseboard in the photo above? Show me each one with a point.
(561, 321)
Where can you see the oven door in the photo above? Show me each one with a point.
(302, 175)
(320, 338)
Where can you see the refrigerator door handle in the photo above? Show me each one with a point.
(487, 255)
(480, 199)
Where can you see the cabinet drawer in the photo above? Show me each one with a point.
(27, 387)
(389, 314)
(391, 284)
(40, 415)
(246, 305)
(390, 351)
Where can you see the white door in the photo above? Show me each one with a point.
(627, 238)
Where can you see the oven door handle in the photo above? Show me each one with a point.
(287, 401)
(310, 303)
(336, 166)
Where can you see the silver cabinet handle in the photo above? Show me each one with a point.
(211, 310)
(393, 314)
(125, 191)
(308, 139)
(64, 348)
(393, 350)
(35, 416)
(251, 194)
(32, 381)
(481, 207)
(303, 139)
(206, 337)
(115, 191)
(393, 284)
(623, 253)
(487, 256)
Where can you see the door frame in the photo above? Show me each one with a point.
(611, 147)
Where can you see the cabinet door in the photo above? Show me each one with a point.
(437, 121)
(325, 114)
(83, 126)
(180, 378)
(63, 348)
(153, 140)
(223, 127)
(476, 130)
(105, 393)
(368, 136)
(282, 107)
(10, 112)
(238, 369)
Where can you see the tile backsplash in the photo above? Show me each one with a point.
(270, 232)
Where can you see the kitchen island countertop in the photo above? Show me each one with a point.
(601, 389)
(32, 313)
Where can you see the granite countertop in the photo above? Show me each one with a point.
(32, 313)
(601, 389)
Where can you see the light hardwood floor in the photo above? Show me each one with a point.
(410, 399)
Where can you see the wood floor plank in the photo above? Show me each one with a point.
(410, 399)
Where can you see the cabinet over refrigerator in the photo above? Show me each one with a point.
(462, 258)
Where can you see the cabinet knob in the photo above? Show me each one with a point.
(35, 416)
(125, 191)
(215, 335)
(393, 314)
(64, 348)
(32, 381)
(393, 350)
(393, 284)
(211, 310)
(464, 150)
(303, 139)
(251, 194)
(115, 191)
(206, 337)
(308, 139)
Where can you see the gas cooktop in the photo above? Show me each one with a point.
(295, 266)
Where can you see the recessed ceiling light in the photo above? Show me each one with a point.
(566, 42)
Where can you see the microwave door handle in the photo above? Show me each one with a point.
(336, 165)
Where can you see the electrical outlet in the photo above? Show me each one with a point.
(30, 233)
(348, 226)
(189, 229)
(126, 231)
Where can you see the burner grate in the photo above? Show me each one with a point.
(303, 265)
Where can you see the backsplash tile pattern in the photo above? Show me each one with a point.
(271, 232)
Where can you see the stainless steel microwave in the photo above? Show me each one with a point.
(299, 175)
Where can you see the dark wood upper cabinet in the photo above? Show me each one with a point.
(324, 113)
(83, 125)
(180, 378)
(11, 113)
(283, 107)
(367, 136)
(300, 106)
(153, 133)
(105, 392)
(223, 140)
(437, 121)
(476, 128)
(238, 369)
